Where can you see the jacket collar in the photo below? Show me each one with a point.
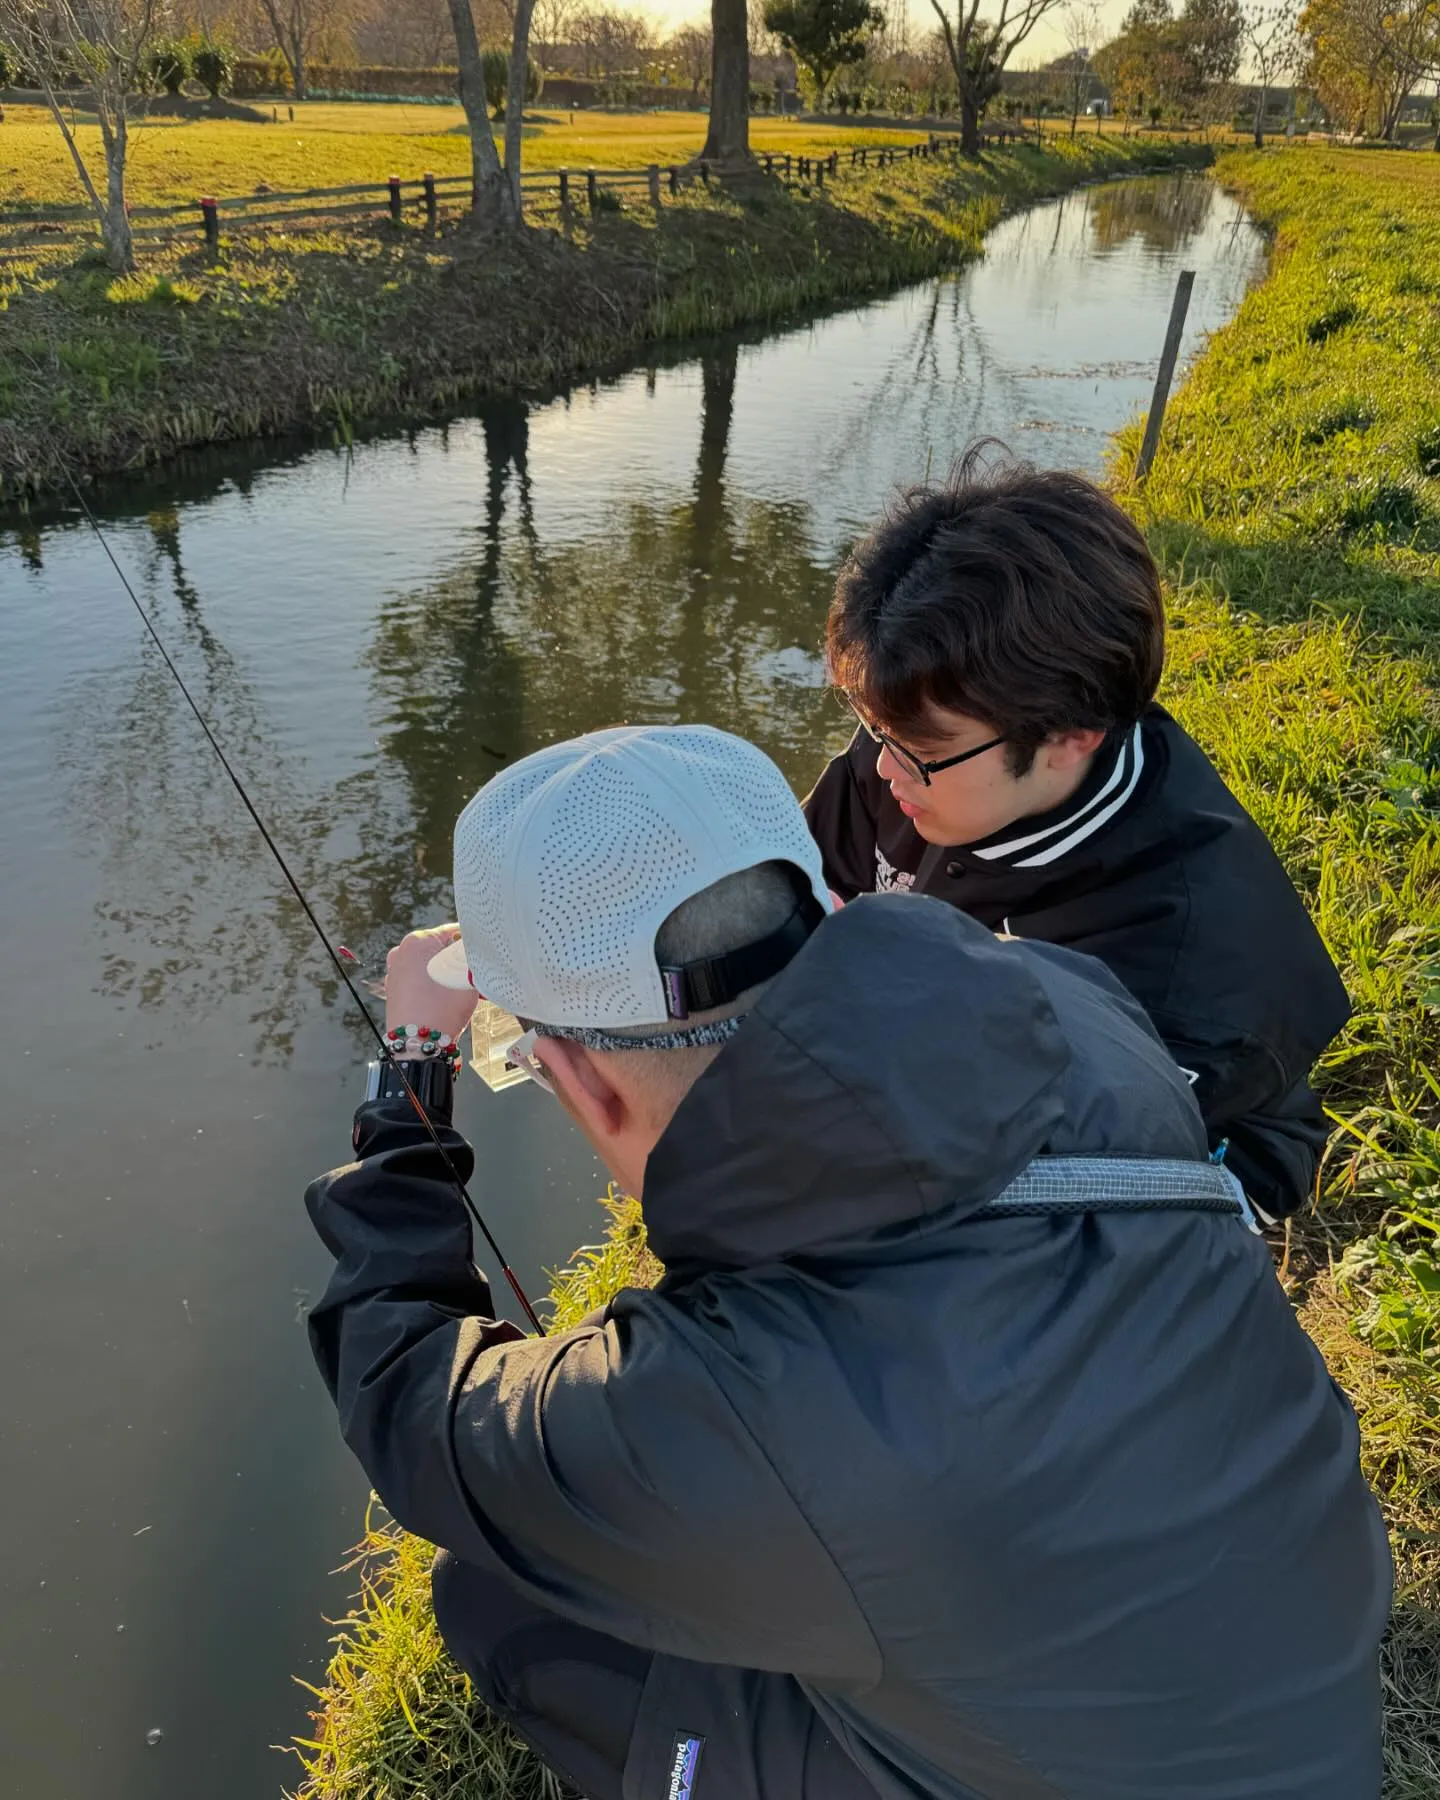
(906, 1065)
(1044, 838)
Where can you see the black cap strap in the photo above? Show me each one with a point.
(713, 981)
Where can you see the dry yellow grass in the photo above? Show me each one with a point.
(332, 145)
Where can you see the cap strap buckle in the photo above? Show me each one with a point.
(713, 981)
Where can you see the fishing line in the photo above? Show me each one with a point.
(385, 1051)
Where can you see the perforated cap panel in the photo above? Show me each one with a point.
(568, 863)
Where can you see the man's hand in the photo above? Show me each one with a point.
(411, 997)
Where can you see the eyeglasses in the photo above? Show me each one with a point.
(907, 759)
(521, 1056)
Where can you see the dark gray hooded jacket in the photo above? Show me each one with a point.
(1031, 1507)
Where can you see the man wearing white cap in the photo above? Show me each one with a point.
(968, 1448)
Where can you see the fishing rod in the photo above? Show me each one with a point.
(386, 1052)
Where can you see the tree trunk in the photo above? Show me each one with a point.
(297, 73)
(969, 125)
(115, 216)
(515, 101)
(727, 141)
(491, 200)
(1260, 119)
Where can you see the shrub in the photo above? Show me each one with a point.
(496, 65)
(9, 68)
(213, 66)
(167, 63)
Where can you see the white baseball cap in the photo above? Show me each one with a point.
(568, 863)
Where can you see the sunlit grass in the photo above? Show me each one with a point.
(333, 145)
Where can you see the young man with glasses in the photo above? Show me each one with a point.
(1000, 638)
(903, 1484)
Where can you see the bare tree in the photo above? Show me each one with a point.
(105, 43)
(980, 48)
(1275, 51)
(612, 42)
(692, 50)
(299, 28)
(551, 21)
(1082, 38)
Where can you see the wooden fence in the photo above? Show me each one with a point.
(212, 219)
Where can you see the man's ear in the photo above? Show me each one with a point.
(582, 1088)
(1067, 749)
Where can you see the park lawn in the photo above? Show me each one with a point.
(1304, 599)
(298, 328)
(334, 145)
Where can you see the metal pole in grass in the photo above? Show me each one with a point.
(1165, 374)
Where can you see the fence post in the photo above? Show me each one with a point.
(395, 198)
(653, 171)
(834, 162)
(211, 216)
(674, 179)
(820, 174)
(1165, 373)
(432, 202)
(592, 189)
(787, 165)
(564, 190)
(705, 171)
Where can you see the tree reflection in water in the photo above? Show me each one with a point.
(1166, 215)
(707, 607)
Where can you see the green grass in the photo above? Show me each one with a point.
(296, 330)
(1306, 626)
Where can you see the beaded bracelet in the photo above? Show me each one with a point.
(426, 1040)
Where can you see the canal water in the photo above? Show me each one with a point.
(372, 634)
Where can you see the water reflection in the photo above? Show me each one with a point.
(1164, 216)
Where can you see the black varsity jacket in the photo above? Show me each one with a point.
(1155, 868)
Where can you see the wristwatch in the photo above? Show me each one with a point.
(430, 1080)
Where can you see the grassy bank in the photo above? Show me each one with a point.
(1305, 601)
(287, 332)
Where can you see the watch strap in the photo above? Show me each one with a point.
(429, 1079)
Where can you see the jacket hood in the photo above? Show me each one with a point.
(905, 1066)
